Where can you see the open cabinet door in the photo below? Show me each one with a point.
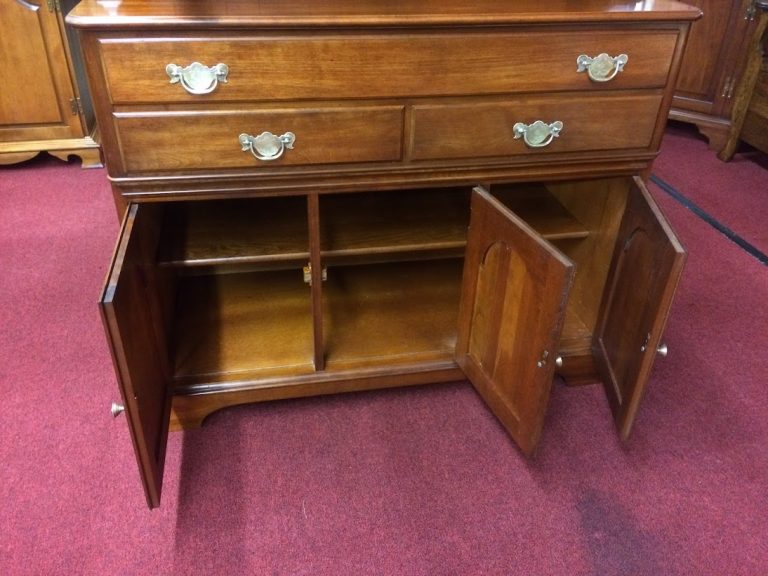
(137, 350)
(645, 270)
(513, 298)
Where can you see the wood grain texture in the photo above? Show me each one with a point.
(485, 129)
(384, 99)
(398, 313)
(195, 140)
(315, 264)
(39, 86)
(645, 270)
(238, 13)
(514, 292)
(599, 205)
(713, 67)
(139, 349)
(384, 65)
(750, 94)
(755, 127)
(235, 232)
(192, 405)
(240, 325)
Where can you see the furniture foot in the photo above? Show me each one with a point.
(90, 157)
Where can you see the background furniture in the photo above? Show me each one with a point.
(754, 129)
(300, 197)
(750, 110)
(715, 62)
(43, 106)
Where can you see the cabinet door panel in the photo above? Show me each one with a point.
(129, 311)
(514, 292)
(645, 269)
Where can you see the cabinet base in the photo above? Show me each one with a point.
(190, 410)
(714, 129)
(579, 370)
(87, 149)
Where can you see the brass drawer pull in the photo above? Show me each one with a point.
(267, 146)
(603, 67)
(538, 134)
(197, 78)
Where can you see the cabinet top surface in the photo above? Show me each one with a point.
(234, 13)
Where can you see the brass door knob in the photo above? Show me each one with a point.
(116, 409)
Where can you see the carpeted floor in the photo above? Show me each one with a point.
(416, 481)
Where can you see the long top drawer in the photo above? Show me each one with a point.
(265, 68)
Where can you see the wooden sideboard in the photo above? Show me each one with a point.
(334, 196)
(43, 106)
(715, 63)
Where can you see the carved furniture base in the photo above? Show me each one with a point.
(716, 130)
(87, 149)
(190, 410)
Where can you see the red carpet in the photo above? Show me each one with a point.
(733, 192)
(415, 482)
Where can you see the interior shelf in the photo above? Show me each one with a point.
(376, 223)
(395, 299)
(239, 324)
(428, 223)
(273, 232)
(238, 231)
(399, 312)
(541, 211)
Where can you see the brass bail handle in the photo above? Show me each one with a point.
(601, 68)
(539, 134)
(267, 146)
(197, 78)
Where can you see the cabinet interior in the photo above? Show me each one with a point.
(237, 305)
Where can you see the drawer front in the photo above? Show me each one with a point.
(485, 129)
(206, 140)
(383, 65)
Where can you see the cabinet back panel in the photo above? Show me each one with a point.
(243, 323)
(598, 204)
(401, 312)
(235, 231)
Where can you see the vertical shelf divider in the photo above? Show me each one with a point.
(316, 278)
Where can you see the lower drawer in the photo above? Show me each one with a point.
(485, 129)
(158, 141)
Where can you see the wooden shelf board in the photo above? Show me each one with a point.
(392, 313)
(541, 210)
(235, 231)
(230, 324)
(431, 219)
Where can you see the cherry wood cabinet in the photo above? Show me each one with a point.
(344, 196)
(43, 107)
(715, 63)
